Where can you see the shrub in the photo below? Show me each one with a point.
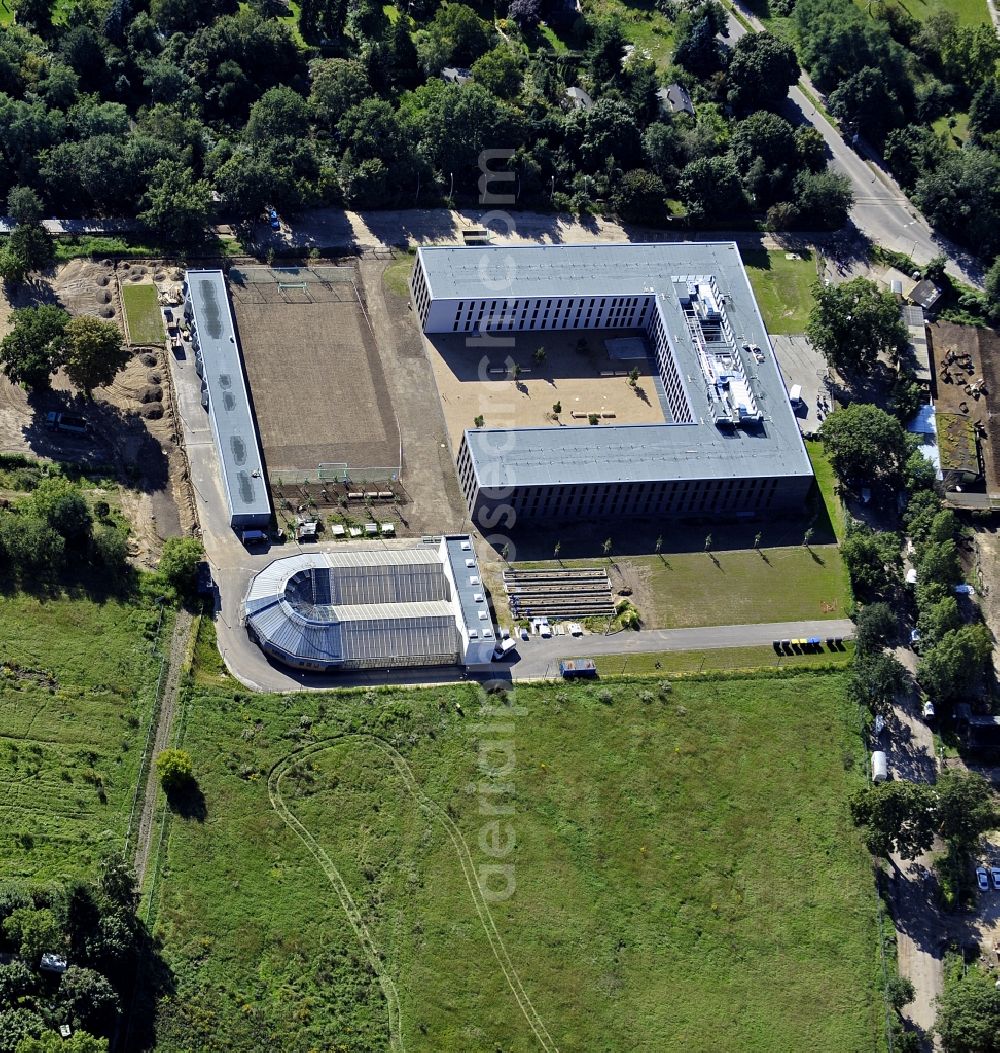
(175, 770)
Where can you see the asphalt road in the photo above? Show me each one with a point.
(881, 210)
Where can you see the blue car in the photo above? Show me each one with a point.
(273, 217)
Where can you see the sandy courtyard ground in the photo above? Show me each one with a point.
(476, 379)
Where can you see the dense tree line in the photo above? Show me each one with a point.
(123, 107)
(889, 77)
(94, 929)
(53, 534)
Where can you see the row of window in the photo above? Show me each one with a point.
(421, 296)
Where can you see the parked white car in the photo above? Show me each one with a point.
(982, 879)
(928, 710)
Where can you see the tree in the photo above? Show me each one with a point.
(658, 545)
(62, 505)
(500, 71)
(961, 197)
(876, 681)
(853, 323)
(456, 35)
(94, 352)
(176, 205)
(897, 817)
(938, 563)
(696, 46)
(763, 147)
(34, 348)
(35, 15)
(938, 618)
(992, 286)
(525, 13)
(640, 196)
(875, 626)
(710, 188)
(899, 991)
(873, 561)
(53, 1042)
(965, 809)
(865, 445)
(761, 70)
(867, 102)
(606, 51)
(175, 770)
(607, 546)
(90, 999)
(337, 85)
(954, 665)
(823, 198)
(24, 205)
(179, 563)
(968, 1017)
(34, 931)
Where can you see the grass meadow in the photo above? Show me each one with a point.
(684, 863)
(77, 680)
(783, 287)
(142, 309)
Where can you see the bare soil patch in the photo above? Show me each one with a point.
(475, 380)
(143, 454)
(317, 384)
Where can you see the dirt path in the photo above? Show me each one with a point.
(175, 670)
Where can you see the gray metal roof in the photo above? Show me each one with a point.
(587, 454)
(468, 585)
(228, 402)
(366, 604)
(463, 272)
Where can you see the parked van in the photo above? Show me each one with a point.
(880, 767)
(250, 538)
(795, 394)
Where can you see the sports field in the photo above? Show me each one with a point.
(683, 859)
(142, 311)
(77, 680)
(316, 380)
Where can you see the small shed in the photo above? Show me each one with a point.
(579, 99)
(919, 355)
(880, 766)
(925, 294)
(456, 74)
(675, 99)
(898, 283)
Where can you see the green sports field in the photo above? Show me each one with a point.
(145, 323)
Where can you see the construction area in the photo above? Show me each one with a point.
(968, 378)
(317, 383)
(515, 380)
(559, 592)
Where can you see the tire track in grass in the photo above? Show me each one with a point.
(465, 860)
(350, 908)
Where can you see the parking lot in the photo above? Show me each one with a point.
(801, 364)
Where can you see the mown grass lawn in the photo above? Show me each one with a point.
(783, 287)
(145, 322)
(686, 875)
(772, 585)
(397, 275)
(686, 589)
(77, 679)
(717, 659)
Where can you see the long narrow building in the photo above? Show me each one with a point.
(731, 445)
(225, 398)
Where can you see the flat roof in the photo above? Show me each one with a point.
(468, 584)
(592, 454)
(462, 272)
(228, 401)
